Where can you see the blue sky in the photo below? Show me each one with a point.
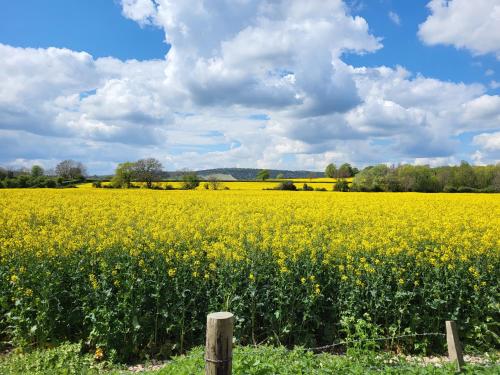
(294, 85)
(94, 26)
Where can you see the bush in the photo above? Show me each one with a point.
(190, 181)
(306, 187)
(319, 189)
(286, 185)
(466, 189)
(449, 189)
(489, 189)
(341, 185)
(97, 184)
(169, 187)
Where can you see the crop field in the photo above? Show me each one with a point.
(134, 272)
(320, 183)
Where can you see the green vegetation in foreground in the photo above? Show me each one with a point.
(265, 360)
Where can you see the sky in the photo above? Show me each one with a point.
(286, 84)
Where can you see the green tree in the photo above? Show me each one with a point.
(190, 180)
(36, 171)
(263, 175)
(345, 171)
(341, 185)
(331, 171)
(124, 174)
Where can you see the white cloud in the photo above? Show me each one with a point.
(489, 148)
(141, 11)
(474, 25)
(230, 61)
(495, 85)
(394, 17)
(488, 141)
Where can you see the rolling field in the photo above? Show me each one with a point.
(134, 272)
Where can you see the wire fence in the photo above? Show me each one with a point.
(388, 338)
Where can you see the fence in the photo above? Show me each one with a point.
(219, 343)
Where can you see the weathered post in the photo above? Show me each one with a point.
(454, 348)
(219, 344)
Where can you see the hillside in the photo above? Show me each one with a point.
(250, 173)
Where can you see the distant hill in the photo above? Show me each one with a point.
(250, 173)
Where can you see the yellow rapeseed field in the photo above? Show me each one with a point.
(134, 271)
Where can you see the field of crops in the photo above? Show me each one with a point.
(134, 272)
(315, 183)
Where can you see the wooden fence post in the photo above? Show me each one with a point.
(454, 348)
(219, 344)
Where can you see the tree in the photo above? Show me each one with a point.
(148, 171)
(331, 170)
(263, 175)
(280, 176)
(71, 170)
(36, 171)
(214, 183)
(190, 180)
(341, 185)
(345, 171)
(124, 173)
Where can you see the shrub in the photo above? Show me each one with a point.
(449, 189)
(306, 187)
(466, 189)
(286, 185)
(319, 189)
(97, 184)
(341, 185)
(190, 181)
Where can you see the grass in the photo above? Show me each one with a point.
(67, 359)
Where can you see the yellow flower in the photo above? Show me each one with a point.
(99, 354)
(172, 272)
(303, 280)
(251, 277)
(317, 289)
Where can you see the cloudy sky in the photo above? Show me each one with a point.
(249, 83)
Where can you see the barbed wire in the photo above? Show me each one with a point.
(388, 338)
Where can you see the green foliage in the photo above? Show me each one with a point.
(331, 170)
(190, 180)
(133, 307)
(267, 360)
(36, 171)
(345, 171)
(124, 174)
(341, 185)
(463, 179)
(64, 360)
(263, 175)
(306, 187)
(286, 185)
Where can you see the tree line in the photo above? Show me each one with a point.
(66, 174)
(450, 179)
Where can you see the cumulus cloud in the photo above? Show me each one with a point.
(473, 25)
(245, 83)
(488, 148)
